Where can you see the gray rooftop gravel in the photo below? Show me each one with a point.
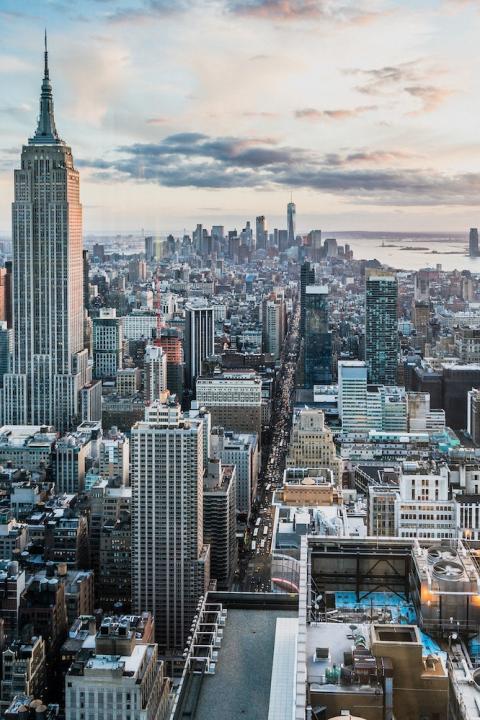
(240, 688)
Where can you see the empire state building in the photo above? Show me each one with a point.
(49, 364)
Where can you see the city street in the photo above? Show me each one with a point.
(255, 567)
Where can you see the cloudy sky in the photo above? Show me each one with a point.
(185, 111)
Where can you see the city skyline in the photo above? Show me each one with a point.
(226, 141)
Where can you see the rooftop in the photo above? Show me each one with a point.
(244, 667)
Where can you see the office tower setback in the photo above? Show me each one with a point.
(49, 363)
(311, 444)
(381, 332)
(107, 343)
(199, 336)
(317, 338)
(170, 564)
(6, 347)
(473, 242)
(291, 219)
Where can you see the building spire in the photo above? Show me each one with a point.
(46, 133)
(45, 55)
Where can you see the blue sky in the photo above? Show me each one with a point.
(181, 111)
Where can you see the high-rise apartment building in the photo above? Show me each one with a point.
(170, 563)
(317, 338)
(473, 242)
(107, 343)
(155, 372)
(49, 364)
(291, 220)
(199, 336)
(219, 521)
(381, 331)
(273, 325)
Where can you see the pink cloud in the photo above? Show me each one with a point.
(338, 114)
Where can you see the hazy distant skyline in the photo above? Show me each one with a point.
(185, 111)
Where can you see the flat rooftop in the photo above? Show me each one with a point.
(334, 639)
(240, 687)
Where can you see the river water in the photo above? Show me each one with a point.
(410, 251)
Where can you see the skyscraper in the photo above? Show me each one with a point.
(170, 564)
(315, 245)
(421, 287)
(381, 331)
(291, 213)
(307, 277)
(261, 233)
(199, 336)
(352, 395)
(49, 364)
(219, 527)
(473, 242)
(273, 325)
(317, 338)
